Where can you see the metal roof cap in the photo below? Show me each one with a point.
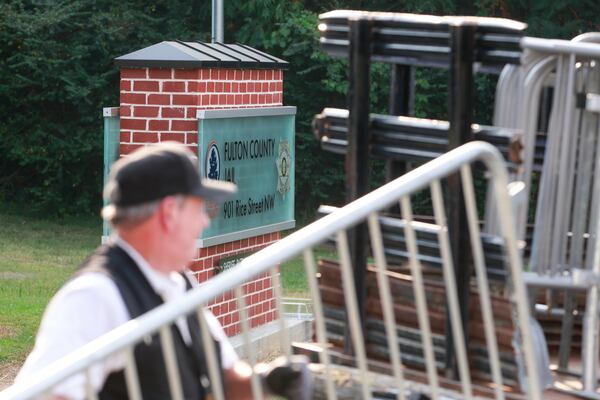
(178, 54)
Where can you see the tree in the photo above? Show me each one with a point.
(56, 74)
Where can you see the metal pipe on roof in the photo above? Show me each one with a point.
(217, 22)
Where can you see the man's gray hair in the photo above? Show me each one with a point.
(130, 216)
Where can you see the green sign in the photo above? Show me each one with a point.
(253, 148)
(111, 150)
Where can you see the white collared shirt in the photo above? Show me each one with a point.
(91, 305)
(168, 286)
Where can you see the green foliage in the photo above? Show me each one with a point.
(560, 19)
(56, 74)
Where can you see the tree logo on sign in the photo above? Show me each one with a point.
(212, 162)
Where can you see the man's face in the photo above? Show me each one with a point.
(190, 219)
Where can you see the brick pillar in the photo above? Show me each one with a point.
(160, 104)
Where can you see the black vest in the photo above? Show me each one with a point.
(140, 297)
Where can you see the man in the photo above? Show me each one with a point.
(156, 205)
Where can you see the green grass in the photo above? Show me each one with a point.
(293, 275)
(293, 278)
(36, 258)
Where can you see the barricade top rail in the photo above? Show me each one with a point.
(558, 46)
(420, 19)
(423, 40)
(345, 217)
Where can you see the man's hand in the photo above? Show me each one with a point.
(287, 377)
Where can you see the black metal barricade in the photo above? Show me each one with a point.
(462, 45)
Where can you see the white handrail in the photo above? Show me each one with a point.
(355, 212)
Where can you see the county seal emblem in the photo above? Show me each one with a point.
(283, 162)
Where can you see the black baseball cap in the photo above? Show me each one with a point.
(155, 172)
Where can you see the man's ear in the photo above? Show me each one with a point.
(166, 214)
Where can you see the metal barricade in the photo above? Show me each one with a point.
(564, 245)
(396, 380)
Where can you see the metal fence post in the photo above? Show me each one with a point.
(357, 158)
(460, 109)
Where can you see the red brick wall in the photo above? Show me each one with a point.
(258, 293)
(159, 105)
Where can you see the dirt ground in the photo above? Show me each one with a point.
(8, 371)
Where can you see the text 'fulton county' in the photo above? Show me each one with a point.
(249, 149)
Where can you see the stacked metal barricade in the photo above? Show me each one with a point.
(554, 98)
(464, 46)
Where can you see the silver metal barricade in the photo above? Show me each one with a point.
(369, 209)
(567, 207)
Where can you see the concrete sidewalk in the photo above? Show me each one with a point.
(265, 339)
